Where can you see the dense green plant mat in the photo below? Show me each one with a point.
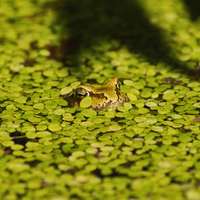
(147, 149)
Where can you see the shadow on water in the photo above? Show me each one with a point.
(86, 21)
(193, 8)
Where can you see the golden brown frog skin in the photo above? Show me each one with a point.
(108, 95)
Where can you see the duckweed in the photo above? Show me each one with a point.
(146, 149)
(86, 102)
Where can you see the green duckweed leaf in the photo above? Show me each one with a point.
(139, 104)
(145, 94)
(127, 106)
(140, 119)
(7, 143)
(193, 84)
(104, 137)
(31, 135)
(115, 128)
(61, 102)
(75, 84)
(169, 95)
(67, 140)
(16, 67)
(54, 127)
(151, 120)
(192, 194)
(41, 127)
(89, 113)
(59, 111)
(86, 124)
(185, 138)
(132, 96)
(43, 134)
(128, 82)
(21, 100)
(50, 104)
(39, 106)
(68, 117)
(157, 128)
(86, 102)
(151, 72)
(34, 119)
(163, 110)
(18, 167)
(143, 110)
(110, 114)
(197, 105)
(138, 86)
(66, 90)
(191, 93)
(44, 52)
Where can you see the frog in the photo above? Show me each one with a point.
(103, 97)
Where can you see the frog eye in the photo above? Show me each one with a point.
(81, 93)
